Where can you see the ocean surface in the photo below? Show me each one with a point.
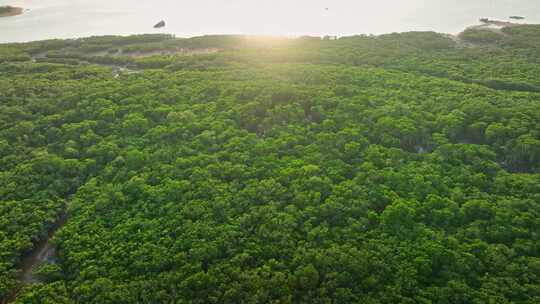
(46, 19)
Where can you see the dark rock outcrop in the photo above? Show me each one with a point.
(160, 24)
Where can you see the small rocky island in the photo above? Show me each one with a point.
(160, 24)
(8, 11)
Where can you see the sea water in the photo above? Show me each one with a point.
(46, 19)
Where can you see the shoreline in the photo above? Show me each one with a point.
(488, 24)
(485, 25)
(11, 11)
(496, 23)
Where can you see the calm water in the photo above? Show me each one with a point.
(77, 18)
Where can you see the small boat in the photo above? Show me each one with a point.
(160, 24)
(517, 17)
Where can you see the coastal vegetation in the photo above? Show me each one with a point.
(486, 36)
(401, 168)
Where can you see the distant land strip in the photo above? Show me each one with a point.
(8, 11)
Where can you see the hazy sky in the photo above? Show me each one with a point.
(73, 18)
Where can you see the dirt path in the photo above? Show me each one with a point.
(43, 252)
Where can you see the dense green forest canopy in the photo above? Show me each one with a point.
(402, 168)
